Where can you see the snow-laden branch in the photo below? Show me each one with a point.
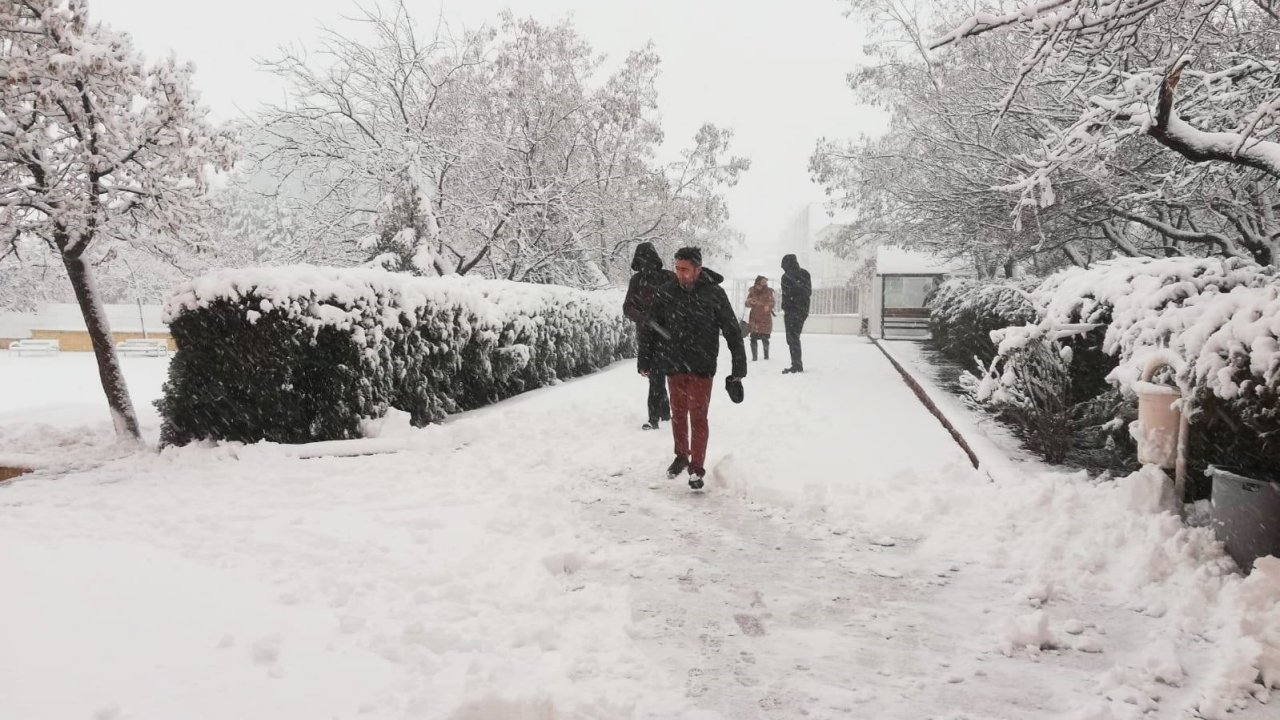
(1201, 146)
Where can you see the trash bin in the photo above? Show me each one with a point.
(1246, 515)
(1157, 428)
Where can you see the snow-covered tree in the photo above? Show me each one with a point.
(1199, 78)
(96, 147)
(964, 169)
(501, 152)
(933, 180)
(29, 275)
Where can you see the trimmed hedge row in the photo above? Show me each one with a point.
(964, 312)
(1064, 377)
(302, 354)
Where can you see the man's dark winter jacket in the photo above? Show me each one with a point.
(796, 288)
(648, 281)
(687, 329)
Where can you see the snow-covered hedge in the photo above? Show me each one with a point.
(305, 353)
(1226, 348)
(964, 312)
(1216, 319)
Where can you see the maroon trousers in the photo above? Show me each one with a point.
(690, 399)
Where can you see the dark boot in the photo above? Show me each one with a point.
(766, 348)
(696, 475)
(677, 466)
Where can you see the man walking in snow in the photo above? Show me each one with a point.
(796, 289)
(649, 280)
(688, 320)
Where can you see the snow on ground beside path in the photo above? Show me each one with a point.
(1067, 539)
(239, 582)
(52, 408)
(531, 560)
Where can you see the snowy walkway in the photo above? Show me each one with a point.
(531, 561)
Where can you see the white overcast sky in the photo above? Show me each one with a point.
(773, 70)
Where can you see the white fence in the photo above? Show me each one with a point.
(842, 300)
(834, 301)
(832, 310)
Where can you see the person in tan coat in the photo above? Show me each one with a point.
(760, 299)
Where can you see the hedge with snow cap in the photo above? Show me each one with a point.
(963, 313)
(1218, 318)
(302, 354)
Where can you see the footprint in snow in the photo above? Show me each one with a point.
(694, 685)
(750, 625)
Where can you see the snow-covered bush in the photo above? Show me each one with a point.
(1098, 311)
(1032, 393)
(1218, 316)
(964, 312)
(1227, 346)
(305, 353)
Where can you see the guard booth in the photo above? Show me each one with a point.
(897, 308)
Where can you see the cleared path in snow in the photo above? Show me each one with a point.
(792, 588)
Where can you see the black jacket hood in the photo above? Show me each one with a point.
(711, 276)
(790, 264)
(646, 258)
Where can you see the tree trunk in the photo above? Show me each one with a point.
(104, 349)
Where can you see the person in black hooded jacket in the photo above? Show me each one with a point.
(796, 289)
(649, 280)
(688, 320)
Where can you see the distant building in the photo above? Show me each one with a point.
(895, 297)
(807, 230)
(892, 284)
(64, 322)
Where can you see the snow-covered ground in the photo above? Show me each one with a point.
(531, 561)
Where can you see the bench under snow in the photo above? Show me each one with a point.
(154, 348)
(34, 347)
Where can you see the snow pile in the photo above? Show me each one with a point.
(1062, 539)
(1149, 490)
(305, 353)
(1249, 635)
(1029, 632)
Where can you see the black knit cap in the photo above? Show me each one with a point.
(692, 254)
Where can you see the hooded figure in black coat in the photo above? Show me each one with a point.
(649, 280)
(796, 289)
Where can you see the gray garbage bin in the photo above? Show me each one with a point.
(1246, 516)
